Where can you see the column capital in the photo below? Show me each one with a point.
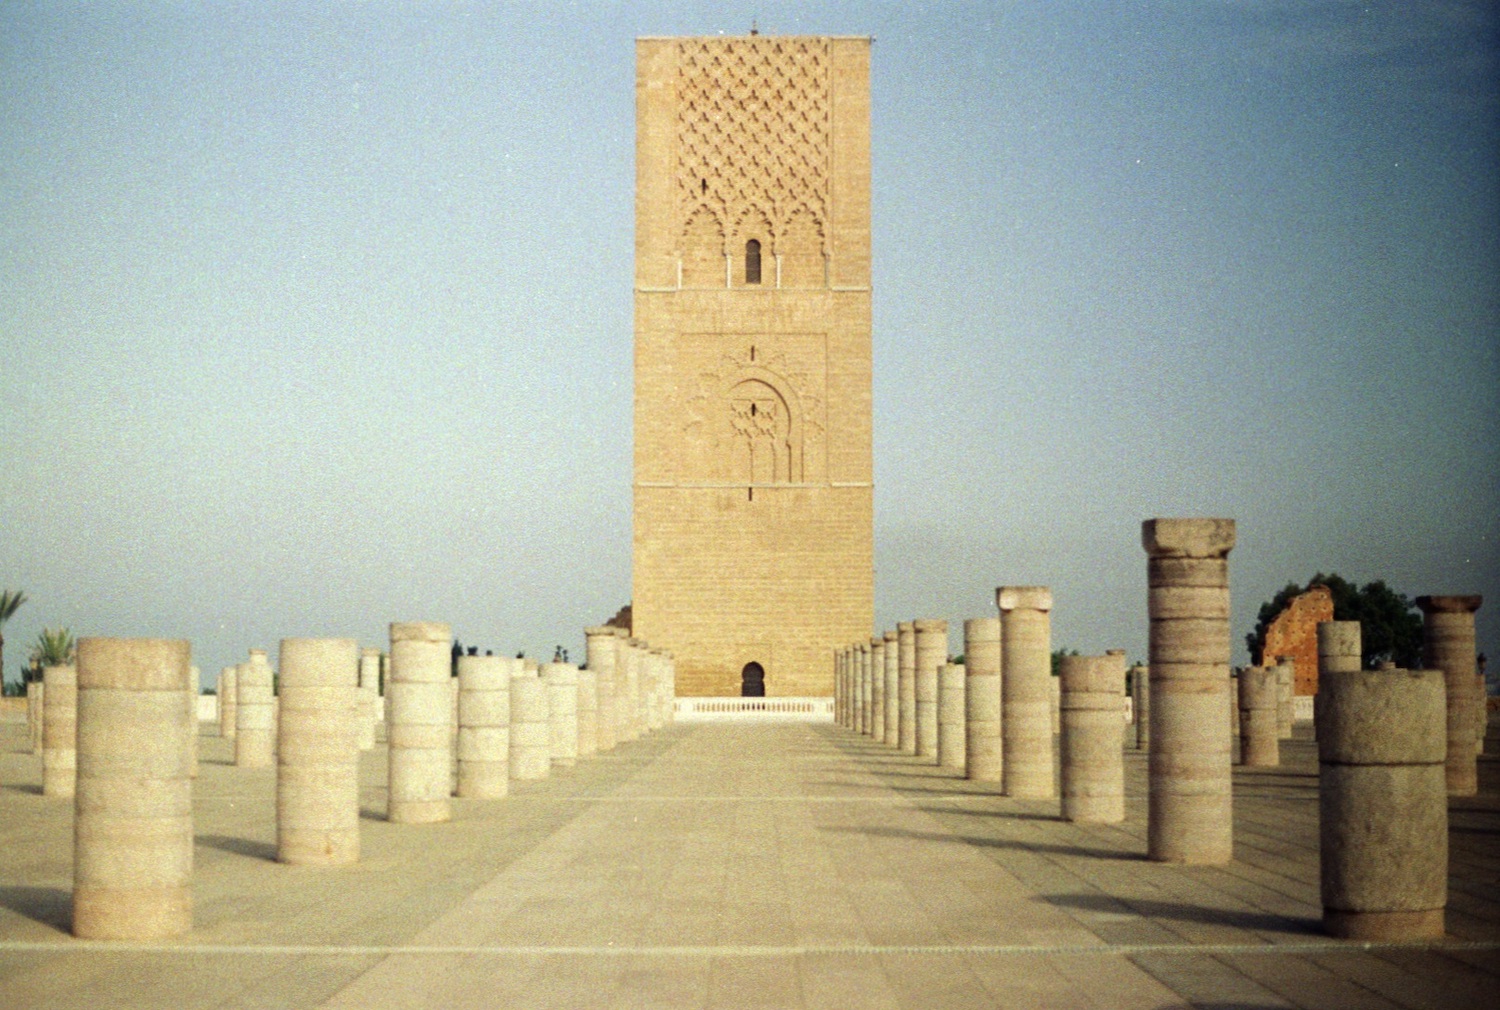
(1449, 604)
(1187, 538)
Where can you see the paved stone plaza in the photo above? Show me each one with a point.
(740, 866)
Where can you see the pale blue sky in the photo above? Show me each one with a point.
(319, 316)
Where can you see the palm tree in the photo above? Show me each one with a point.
(9, 603)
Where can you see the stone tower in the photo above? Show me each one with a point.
(753, 543)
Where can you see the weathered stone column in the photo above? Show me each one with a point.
(1382, 804)
(59, 731)
(1140, 696)
(1481, 713)
(952, 733)
(368, 711)
(588, 713)
(1448, 645)
(419, 722)
(1189, 803)
(562, 712)
(601, 648)
(931, 652)
(1259, 741)
(228, 702)
(890, 674)
(530, 728)
(34, 708)
(484, 726)
(984, 747)
(1093, 758)
(877, 688)
(1286, 687)
(133, 816)
(1026, 689)
(317, 753)
(861, 664)
(255, 713)
(906, 687)
(196, 676)
(1056, 684)
(630, 715)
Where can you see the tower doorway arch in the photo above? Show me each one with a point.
(753, 681)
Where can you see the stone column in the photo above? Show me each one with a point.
(1140, 695)
(228, 702)
(952, 744)
(877, 689)
(59, 731)
(1189, 806)
(34, 706)
(562, 712)
(588, 713)
(133, 816)
(1448, 645)
(1056, 703)
(906, 686)
(931, 652)
(317, 753)
(418, 726)
(368, 712)
(1481, 714)
(530, 728)
(630, 714)
(1286, 687)
(255, 713)
(890, 675)
(197, 680)
(1026, 688)
(984, 748)
(1259, 740)
(601, 647)
(1382, 804)
(1093, 759)
(484, 726)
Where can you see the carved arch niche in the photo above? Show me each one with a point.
(764, 429)
(753, 226)
(702, 250)
(801, 249)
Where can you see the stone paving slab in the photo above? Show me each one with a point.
(732, 865)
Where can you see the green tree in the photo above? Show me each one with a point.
(56, 648)
(10, 602)
(1057, 658)
(1390, 627)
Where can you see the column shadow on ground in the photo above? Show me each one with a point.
(1179, 912)
(51, 906)
(27, 788)
(998, 843)
(239, 846)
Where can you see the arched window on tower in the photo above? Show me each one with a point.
(752, 261)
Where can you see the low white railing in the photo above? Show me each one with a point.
(753, 709)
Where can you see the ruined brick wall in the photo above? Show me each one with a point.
(753, 519)
(1294, 632)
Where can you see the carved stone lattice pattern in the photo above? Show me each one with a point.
(760, 417)
(753, 135)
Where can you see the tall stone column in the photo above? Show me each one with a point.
(419, 723)
(1286, 695)
(368, 711)
(877, 688)
(1026, 689)
(984, 747)
(530, 727)
(906, 686)
(196, 676)
(1382, 803)
(588, 713)
(1189, 804)
(952, 733)
(931, 653)
(600, 643)
(59, 731)
(317, 753)
(838, 687)
(1259, 740)
(35, 690)
(1140, 696)
(1448, 645)
(630, 716)
(891, 676)
(1093, 759)
(228, 702)
(133, 815)
(484, 726)
(562, 712)
(255, 714)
